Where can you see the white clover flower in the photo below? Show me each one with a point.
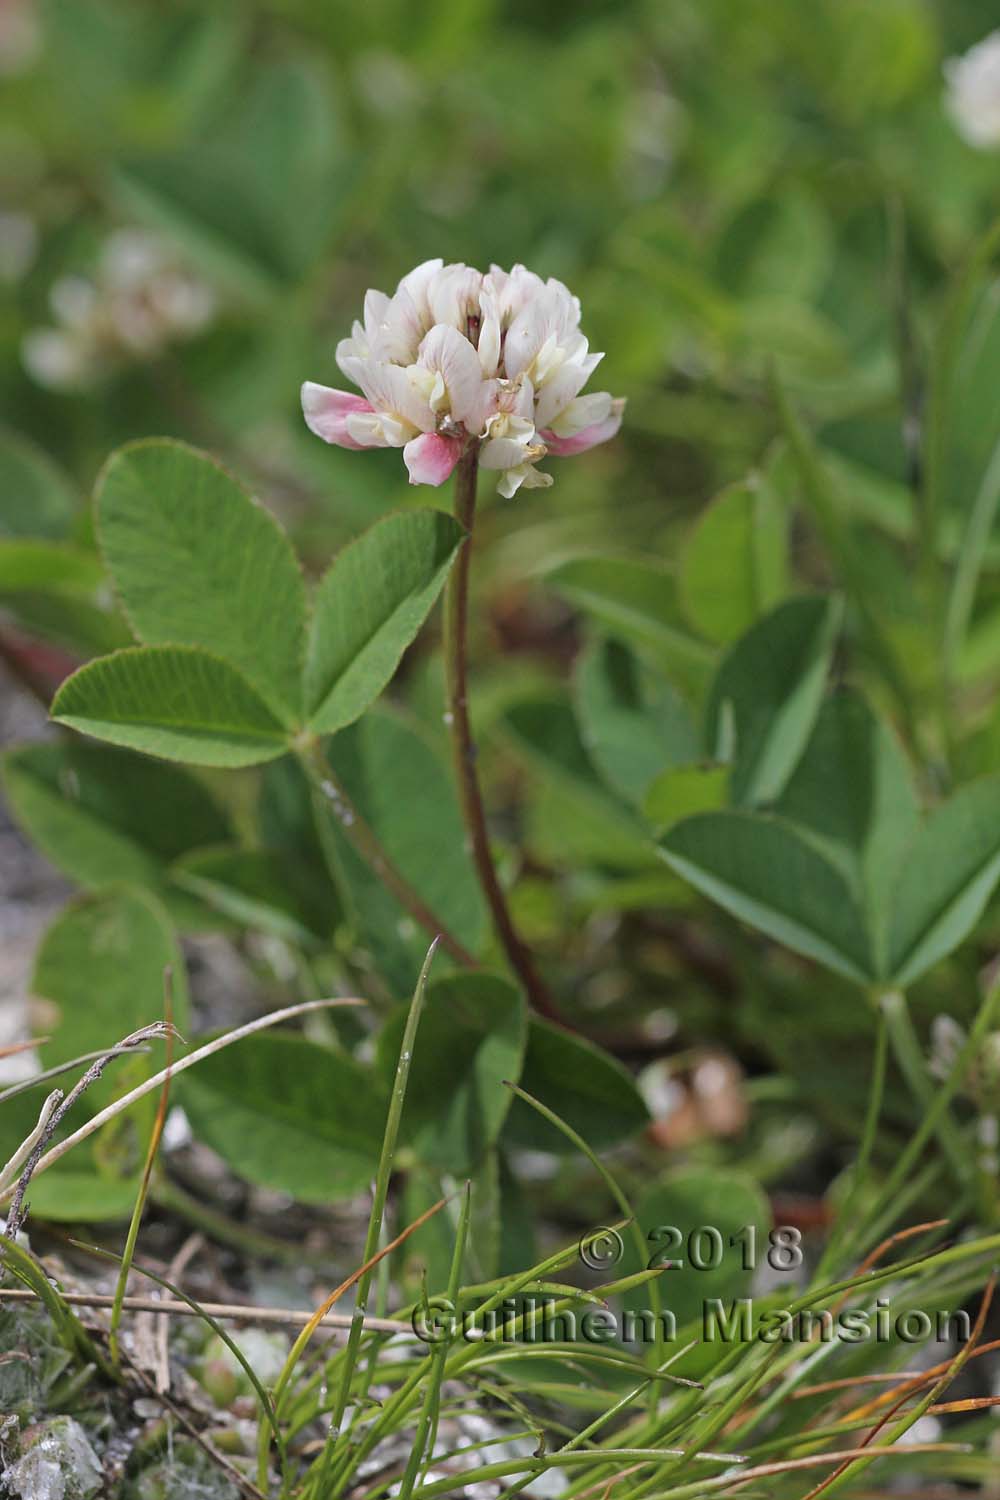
(137, 302)
(20, 36)
(972, 97)
(457, 357)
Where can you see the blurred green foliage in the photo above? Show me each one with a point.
(762, 207)
(712, 180)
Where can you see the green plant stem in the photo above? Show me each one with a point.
(381, 1193)
(456, 630)
(423, 1441)
(913, 1065)
(911, 392)
(947, 351)
(332, 801)
(139, 1206)
(951, 614)
(826, 504)
(624, 1207)
(981, 1027)
(842, 1228)
(971, 556)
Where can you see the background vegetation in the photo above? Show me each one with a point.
(734, 676)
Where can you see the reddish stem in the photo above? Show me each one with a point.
(464, 748)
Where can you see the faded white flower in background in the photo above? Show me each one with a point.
(137, 303)
(972, 96)
(457, 357)
(20, 36)
(18, 244)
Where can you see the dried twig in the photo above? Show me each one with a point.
(25, 1084)
(57, 1107)
(276, 1317)
(14, 1049)
(10, 1171)
(190, 1248)
(151, 1084)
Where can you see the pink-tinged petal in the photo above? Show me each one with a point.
(431, 457)
(600, 432)
(389, 389)
(584, 412)
(326, 412)
(563, 387)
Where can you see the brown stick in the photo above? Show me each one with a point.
(456, 630)
(278, 1317)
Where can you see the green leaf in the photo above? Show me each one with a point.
(765, 872)
(173, 701)
(501, 1232)
(632, 723)
(638, 601)
(732, 568)
(582, 1084)
(821, 490)
(369, 606)
(682, 791)
(196, 562)
(286, 825)
(778, 245)
(107, 816)
(258, 888)
(949, 873)
(708, 1205)
(36, 499)
(852, 792)
(769, 688)
(99, 975)
(37, 565)
(101, 965)
(285, 136)
(253, 202)
(60, 593)
(472, 1036)
(574, 815)
(209, 206)
(289, 1115)
(394, 777)
(75, 1192)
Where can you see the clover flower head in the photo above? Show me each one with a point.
(135, 303)
(456, 358)
(972, 96)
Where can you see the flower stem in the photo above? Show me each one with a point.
(332, 801)
(463, 746)
(913, 1066)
